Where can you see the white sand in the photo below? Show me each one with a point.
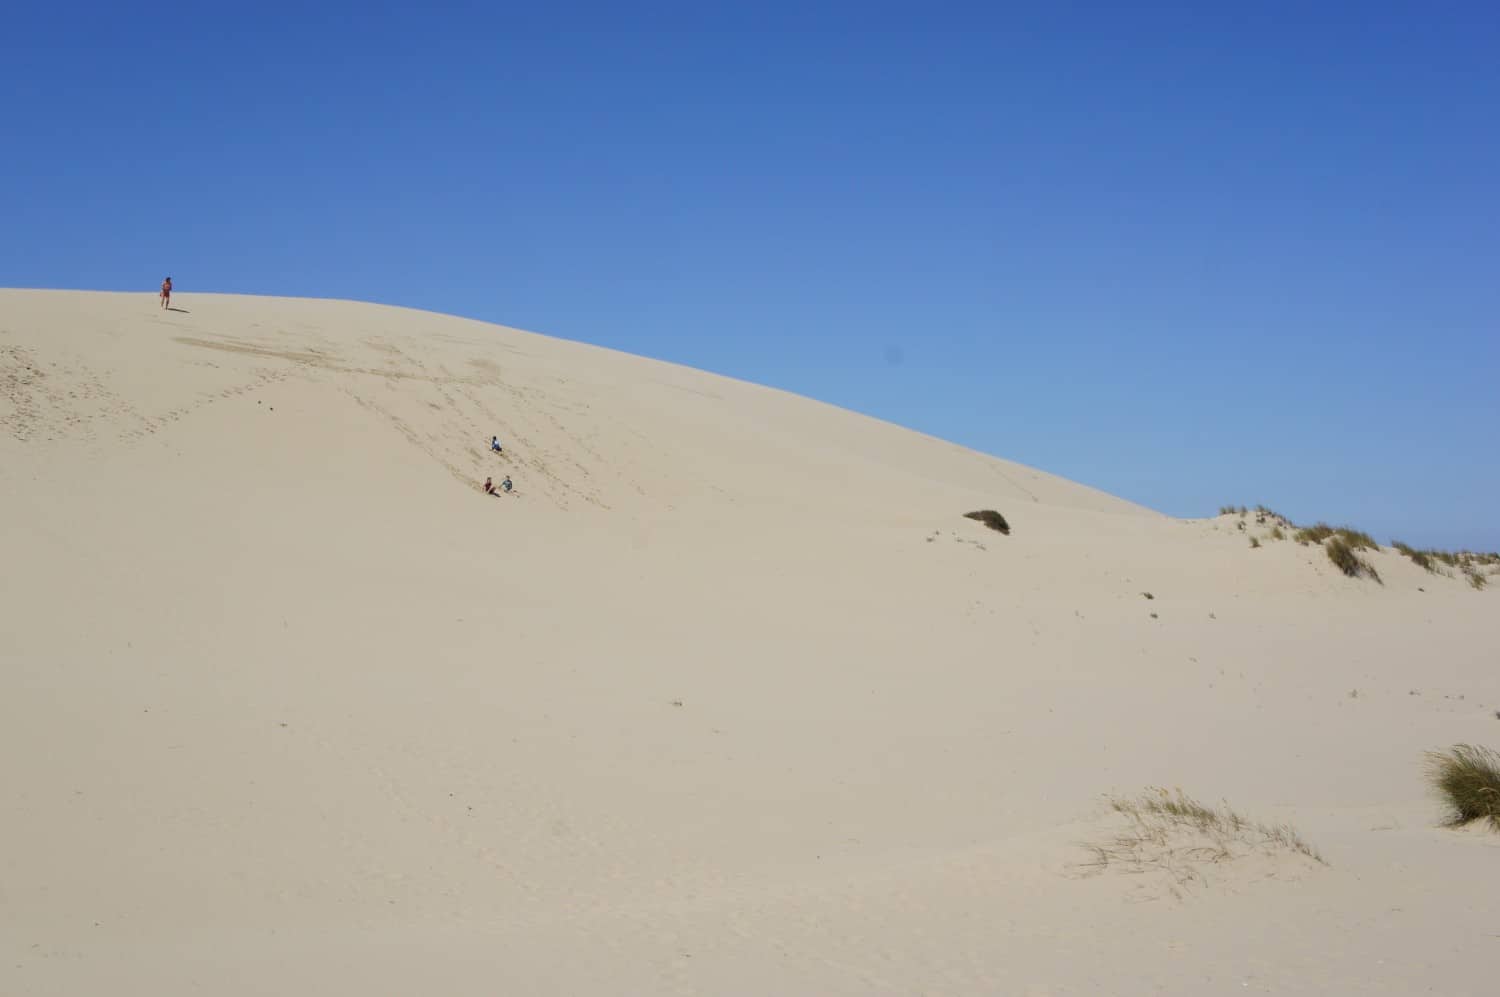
(290, 707)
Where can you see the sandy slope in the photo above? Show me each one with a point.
(728, 698)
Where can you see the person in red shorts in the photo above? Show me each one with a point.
(166, 293)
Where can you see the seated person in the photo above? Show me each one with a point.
(506, 483)
(495, 443)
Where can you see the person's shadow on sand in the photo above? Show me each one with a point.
(172, 308)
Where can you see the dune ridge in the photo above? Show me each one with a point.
(728, 697)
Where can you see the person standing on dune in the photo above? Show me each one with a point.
(166, 293)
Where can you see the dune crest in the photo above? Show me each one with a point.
(728, 696)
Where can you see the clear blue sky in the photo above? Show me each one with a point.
(1189, 253)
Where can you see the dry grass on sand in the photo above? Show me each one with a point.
(1171, 833)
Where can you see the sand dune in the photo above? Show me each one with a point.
(726, 698)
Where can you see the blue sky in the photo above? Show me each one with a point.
(1187, 253)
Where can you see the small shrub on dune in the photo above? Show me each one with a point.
(1276, 533)
(1350, 563)
(1254, 543)
(990, 518)
(1476, 580)
(1467, 778)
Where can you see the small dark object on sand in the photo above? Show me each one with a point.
(990, 518)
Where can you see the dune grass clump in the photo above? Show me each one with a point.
(990, 518)
(1356, 539)
(1418, 557)
(1170, 832)
(1466, 562)
(1462, 560)
(1343, 557)
(1265, 514)
(1313, 534)
(1467, 778)
(1343, 544)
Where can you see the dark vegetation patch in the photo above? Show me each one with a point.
(990, 518)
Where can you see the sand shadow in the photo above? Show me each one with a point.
(184, 311)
